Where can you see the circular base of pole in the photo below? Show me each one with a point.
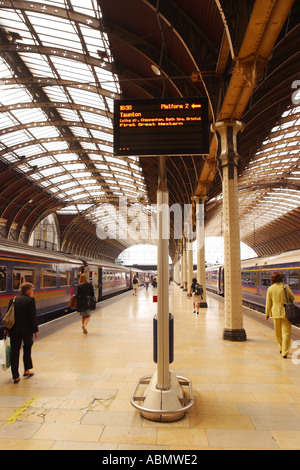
(234, 335)
(163, 405)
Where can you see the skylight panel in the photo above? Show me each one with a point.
(14, 138)
(38, 65)
(80, 131)
(67, 157)
(47, 132)
(51, 171)
(68, 69)
(29, 115)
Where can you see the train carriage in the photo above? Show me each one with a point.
(256, 277)
(55, 276)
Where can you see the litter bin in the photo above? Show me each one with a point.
(171, 338)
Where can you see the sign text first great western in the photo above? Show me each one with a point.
(161, 127)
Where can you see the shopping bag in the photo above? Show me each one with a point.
(8, 355)
(3, 354)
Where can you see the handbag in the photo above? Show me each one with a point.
(73, 302)
(9, 319)
(292, 312)
(91, 301)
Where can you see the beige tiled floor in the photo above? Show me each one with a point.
(246, 395)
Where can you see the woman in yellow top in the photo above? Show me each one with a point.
(275, 308)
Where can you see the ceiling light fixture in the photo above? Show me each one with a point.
(155, 69)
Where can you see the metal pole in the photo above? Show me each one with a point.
(163, 370)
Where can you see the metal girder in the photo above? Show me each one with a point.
(57, 52)
(265, 25)
(57, 105)
(44, 82)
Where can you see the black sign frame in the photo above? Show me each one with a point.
(154, 127)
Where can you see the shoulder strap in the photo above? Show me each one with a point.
(287, 300)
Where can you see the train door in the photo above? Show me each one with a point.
(221, 281)
(99, 284)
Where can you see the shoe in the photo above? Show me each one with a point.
(84, 330)
(197, 313)
(285, 357)
(28, 374)
(16, 381)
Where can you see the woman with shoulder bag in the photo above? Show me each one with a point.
(275, 308)
(85, 293)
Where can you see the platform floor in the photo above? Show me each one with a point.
(246, 395)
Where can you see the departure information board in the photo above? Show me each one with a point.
(161, 127)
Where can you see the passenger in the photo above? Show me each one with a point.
(147, 280)
(135, 283)
(84, 292)
(25, 326)
(195, 293)
(275, 308)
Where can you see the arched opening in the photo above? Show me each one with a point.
(140, 255)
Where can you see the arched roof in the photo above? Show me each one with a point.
(63, 62)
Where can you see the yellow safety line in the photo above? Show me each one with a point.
(21, 410)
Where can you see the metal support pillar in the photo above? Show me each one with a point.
(201, 274)
(181, 266)
(228, 162)
(163, 399)
(190, 263)
(185, 265)
(177, 271)
(163, 379)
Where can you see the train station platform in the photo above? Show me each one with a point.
(246, 395)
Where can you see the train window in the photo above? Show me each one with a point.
(249, 278)
(21, 275)
(294, 281)
(2, 279)
(266, 278)
(48, 278)
(65, 278)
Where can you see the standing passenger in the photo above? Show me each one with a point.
(147, 280)
(25, 326)
(275, 308)
(135, 283)
(85, 290)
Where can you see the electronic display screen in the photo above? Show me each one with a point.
(157, 127)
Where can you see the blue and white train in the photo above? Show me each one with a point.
(256, 277)
(55, 276)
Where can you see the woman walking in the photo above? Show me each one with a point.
(26, 325)
(275, 308)
(84, 295)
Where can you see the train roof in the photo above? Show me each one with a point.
(26, 250)
(104, 264)
(280, 258)
(19, 249)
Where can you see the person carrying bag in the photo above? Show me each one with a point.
(25, 326)
(86, 301)
(275, 308)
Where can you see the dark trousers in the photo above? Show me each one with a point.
(16, 343)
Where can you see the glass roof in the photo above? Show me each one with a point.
(57, 87)
(269, 185)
